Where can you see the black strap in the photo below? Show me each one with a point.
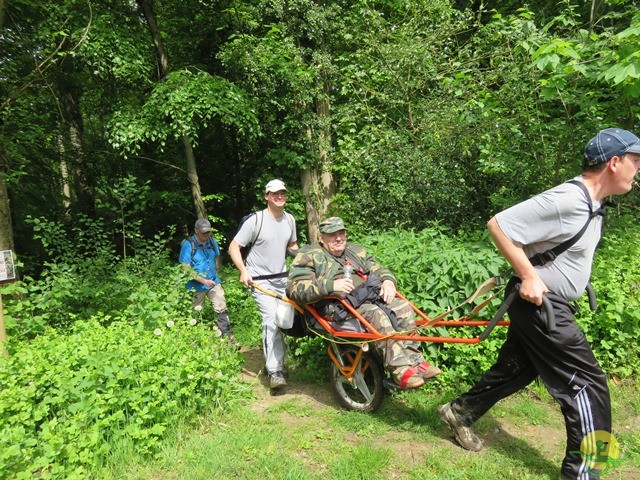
(271, 275)
(208, 244)
(548, 256)
(254, 235)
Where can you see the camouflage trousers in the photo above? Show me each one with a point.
(395, 353)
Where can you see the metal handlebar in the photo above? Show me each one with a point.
(546, 304)
(551, 317)
(591, 294)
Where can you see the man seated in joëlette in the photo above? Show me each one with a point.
(318, 271)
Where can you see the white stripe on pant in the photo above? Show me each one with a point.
(564, 361)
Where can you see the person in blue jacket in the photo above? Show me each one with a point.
(200, 254)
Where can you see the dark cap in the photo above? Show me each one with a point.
(608, 143)
(203, 225)
(331, 225)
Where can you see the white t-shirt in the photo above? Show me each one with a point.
(269, 252)
(549, 219)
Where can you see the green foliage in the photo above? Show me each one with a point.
(437, 269)
(127, 362)
(243, 311)
(309, 358)
(85, 278)
(183, 104)
(455, 119)
(612, 328)
(605, 54)
(446, 110)
(67, 397)
(124, 204)
(86, 238)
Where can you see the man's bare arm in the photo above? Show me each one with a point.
(532, 287)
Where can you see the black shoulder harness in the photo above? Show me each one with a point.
(551, 254)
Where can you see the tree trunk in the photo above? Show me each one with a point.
(73, 121)
(318, 187)
(64, 175)
(6, 228)
(318, 184)
(73, 132)
(192, 175)
(163, 69)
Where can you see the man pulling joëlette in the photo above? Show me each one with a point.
(562, 358)
(273, 232)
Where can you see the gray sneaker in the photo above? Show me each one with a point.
(277, 381)
(232, 340)
(464, 435)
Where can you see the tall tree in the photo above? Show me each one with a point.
(6, 227)
(73, 152)
(146, 6)
(284, 60)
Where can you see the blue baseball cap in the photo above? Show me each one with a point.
(608, 143)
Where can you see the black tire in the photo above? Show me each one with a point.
(366, 392)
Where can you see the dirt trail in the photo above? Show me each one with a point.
(551, 434)
(253, 372)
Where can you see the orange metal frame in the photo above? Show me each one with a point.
(373, 335)
(348, 370)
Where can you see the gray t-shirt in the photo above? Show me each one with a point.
(269, 252)
(549, 219)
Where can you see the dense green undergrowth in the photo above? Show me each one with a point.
(108, 356)
(68, 398)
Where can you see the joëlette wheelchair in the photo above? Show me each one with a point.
(357, 376)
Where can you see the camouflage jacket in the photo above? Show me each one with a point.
(314, 269)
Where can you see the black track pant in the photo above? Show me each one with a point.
(564, 361)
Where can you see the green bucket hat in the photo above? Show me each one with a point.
(331, 225)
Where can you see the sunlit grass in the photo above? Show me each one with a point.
(293, 439)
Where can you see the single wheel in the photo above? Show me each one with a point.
(365, 391)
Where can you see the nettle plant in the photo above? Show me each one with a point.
(67, 400)
(438, 268)
(85, 277)
(612, 330)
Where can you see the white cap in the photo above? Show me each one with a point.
(275, 186)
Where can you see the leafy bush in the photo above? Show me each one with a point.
(245, 318)
(66, 399)
(104, 354)
(612, 329)
(151, 291)
(438, 268)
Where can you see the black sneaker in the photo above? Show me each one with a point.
(464, 435)
(277, 381)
